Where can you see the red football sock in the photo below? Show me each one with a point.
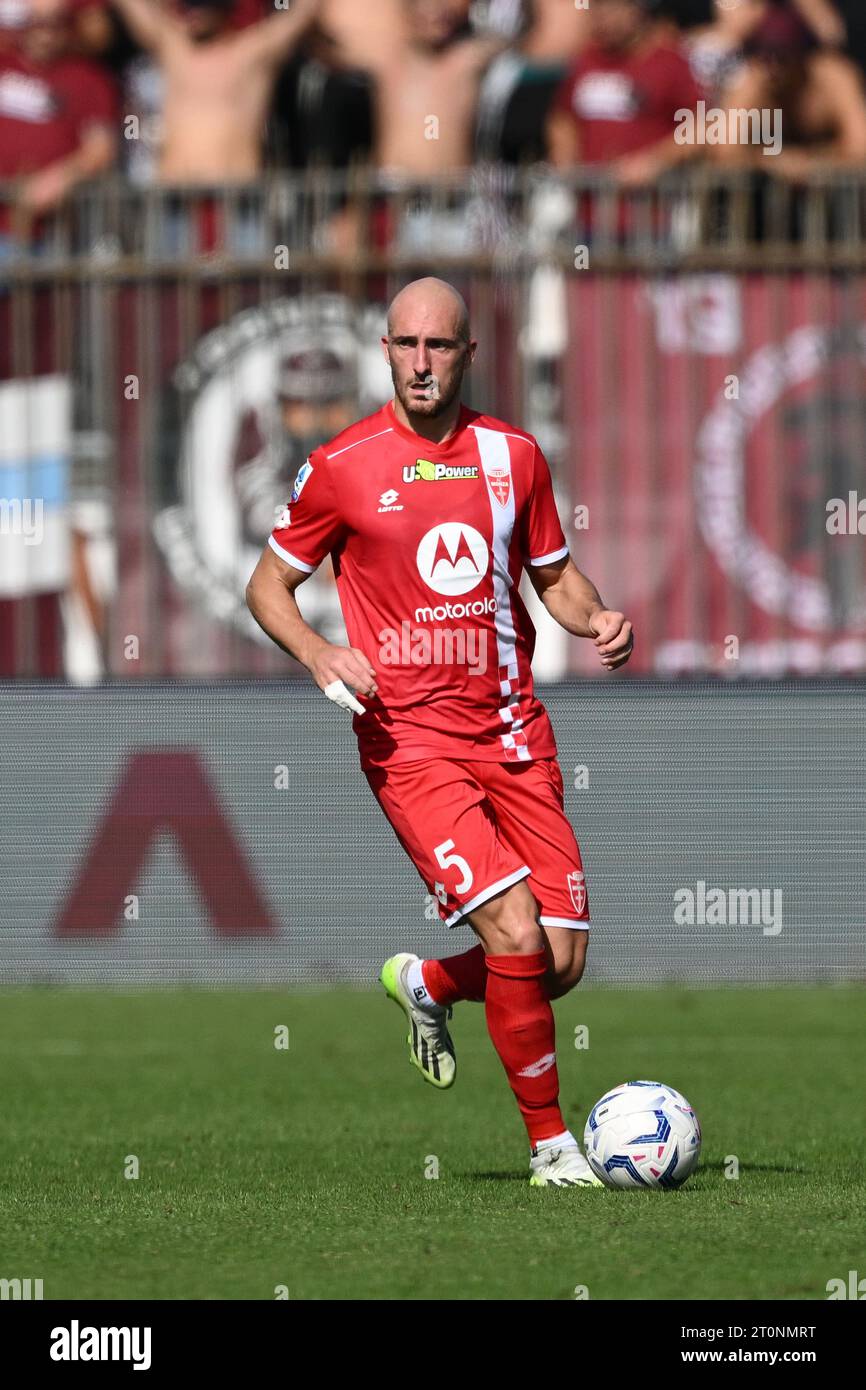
(522, 1029)
(457, 977)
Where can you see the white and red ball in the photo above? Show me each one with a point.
(642, 1134)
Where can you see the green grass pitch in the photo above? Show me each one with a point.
(305, 1167)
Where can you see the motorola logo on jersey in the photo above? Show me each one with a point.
(453, 558)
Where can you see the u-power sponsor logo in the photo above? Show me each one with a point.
(425, 471)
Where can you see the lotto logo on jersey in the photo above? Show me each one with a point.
(424, 471)
(452, 558)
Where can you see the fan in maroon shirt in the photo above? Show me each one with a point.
(58, 115)
(617, 106)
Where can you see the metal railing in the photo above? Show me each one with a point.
(494, 217)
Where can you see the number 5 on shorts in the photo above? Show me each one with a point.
(445, 861)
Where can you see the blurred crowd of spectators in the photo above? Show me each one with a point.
(211, 92)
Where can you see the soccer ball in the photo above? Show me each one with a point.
(642, 1134)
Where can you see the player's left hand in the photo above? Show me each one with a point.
(614, 637)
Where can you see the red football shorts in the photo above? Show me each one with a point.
(472, 828)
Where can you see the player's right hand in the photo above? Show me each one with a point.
(347, 664)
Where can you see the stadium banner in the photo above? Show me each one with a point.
(35, 536)
(718, 434)
(161, 834)
(34, 485)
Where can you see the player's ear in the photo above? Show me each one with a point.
(385, 350)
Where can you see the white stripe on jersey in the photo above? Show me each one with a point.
(289, 558)
(549, 559)
(496, 459)
(347, 447)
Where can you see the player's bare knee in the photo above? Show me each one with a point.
(525, 936)
(508, 924)
(511, 936)
(508, 933)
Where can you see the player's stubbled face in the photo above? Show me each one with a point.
(428, 362)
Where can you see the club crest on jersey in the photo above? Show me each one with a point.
(499, 481)
(577, 890)
(425, 471)
(303, 474)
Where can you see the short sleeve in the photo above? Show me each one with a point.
(310, 525)
(543, 539)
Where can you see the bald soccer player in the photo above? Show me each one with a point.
(430, 512)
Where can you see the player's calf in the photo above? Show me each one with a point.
(566, 952)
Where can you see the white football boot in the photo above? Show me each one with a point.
(561, 1166)
(430, 1047)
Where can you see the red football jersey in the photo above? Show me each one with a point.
(429, 542)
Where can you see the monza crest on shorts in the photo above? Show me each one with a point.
(577, 890)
